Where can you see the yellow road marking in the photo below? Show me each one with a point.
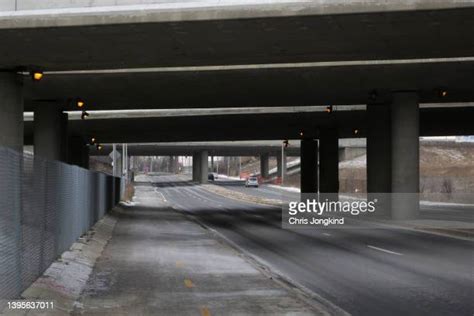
(188, 283)
(205, 311)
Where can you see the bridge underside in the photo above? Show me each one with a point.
(285, 33)
(295, 85)
(275, 126)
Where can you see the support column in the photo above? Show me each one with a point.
(203, 167)
(281, 165)
(309, 166)
(175, 162)
(171, 164)
(78, 153)
(196, 167)
(264, 165)
(50, 126)
(11, 111)
(405, 155)
(379, 159)
(329, 162)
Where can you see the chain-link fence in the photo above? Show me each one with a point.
(44, 207)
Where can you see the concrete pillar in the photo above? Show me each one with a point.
(85, 156)
(196, 167)
(50, 128)
(175, 164)
(405, 154)
(264, 165)
(309, 166)
(329, 161)
(379, 159)
(172, 164)
(281, 165)
(78, 153)
(204, 166)
(11, 111)
(212, 163)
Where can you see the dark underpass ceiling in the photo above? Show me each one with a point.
(354, 84)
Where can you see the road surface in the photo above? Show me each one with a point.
(367, 271)
(453, 213)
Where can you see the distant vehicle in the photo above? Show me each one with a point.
(212, 176)
(251, 182)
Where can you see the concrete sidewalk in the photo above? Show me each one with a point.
(158, 262)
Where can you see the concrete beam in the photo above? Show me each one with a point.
(187, 34)
(185, 11)
(11, 111)
(274, 126)
(266, 87)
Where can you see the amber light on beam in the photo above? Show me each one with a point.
(37, 75)
(80, 103)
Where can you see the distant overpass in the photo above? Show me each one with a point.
(252, 148)
(263, 126)
(239, 148)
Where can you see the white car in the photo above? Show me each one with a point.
(251, 182)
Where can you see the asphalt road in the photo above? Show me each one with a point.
(452, 213)
(366, 271)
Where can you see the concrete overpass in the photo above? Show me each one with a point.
(238, 148)
(263, 126)
(55, 37)
(251, 148)
(280, 85)
(391, 57)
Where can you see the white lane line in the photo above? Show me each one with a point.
(162, 195)
(326, 234)
(197, 194)
(385, 250)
